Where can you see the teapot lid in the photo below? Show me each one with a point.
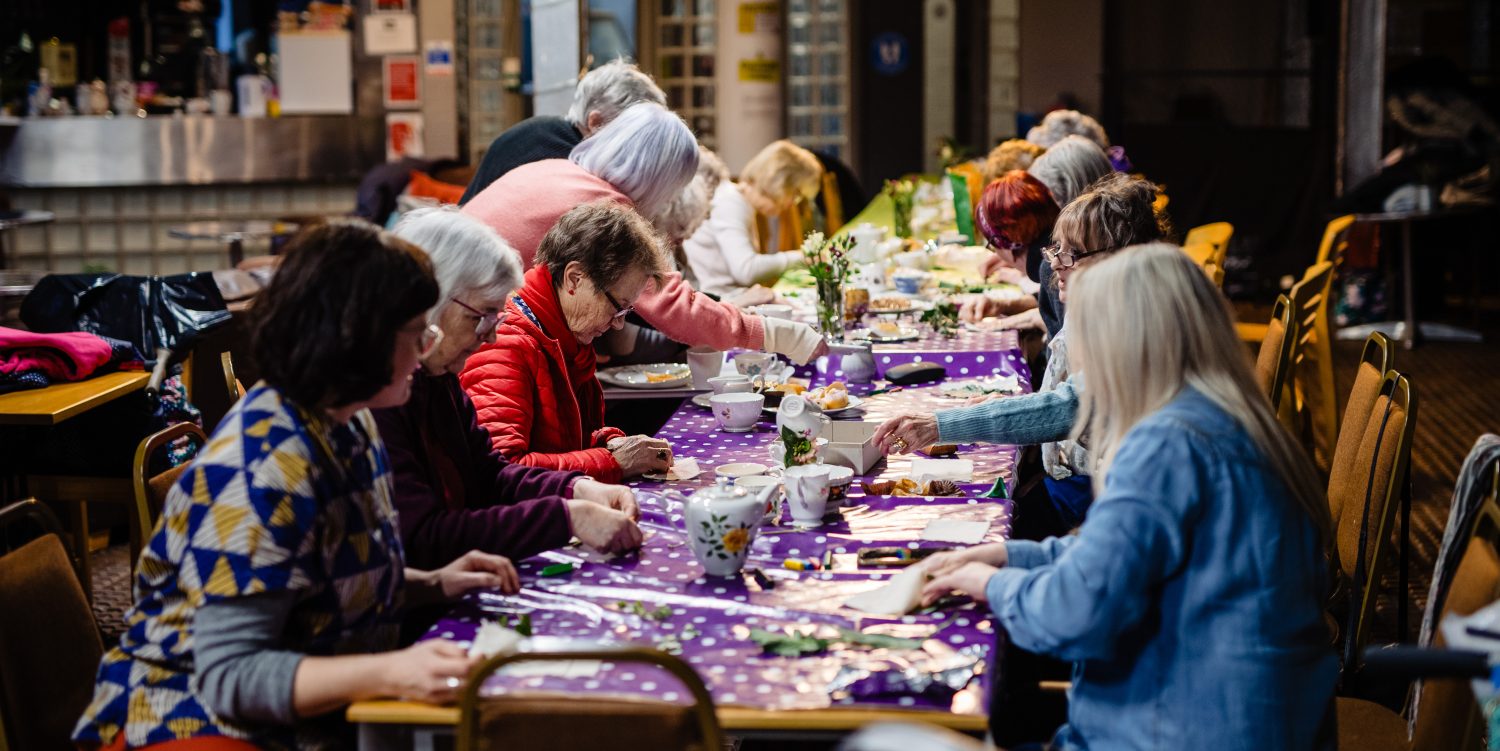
(722, 488)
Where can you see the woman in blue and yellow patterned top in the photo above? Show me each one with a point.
(270, 593)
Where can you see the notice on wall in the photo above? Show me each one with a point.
(403, 135)
(439, 57)
(402, 81)
(760, 70)
(760, 18)
(390, 34)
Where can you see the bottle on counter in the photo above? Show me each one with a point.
(119, 51)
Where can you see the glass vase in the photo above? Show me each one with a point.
(831, 309)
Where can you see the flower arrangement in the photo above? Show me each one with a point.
(943, 318)
(829, 265)
(800, 449)
(903, 194)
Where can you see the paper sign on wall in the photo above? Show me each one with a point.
(760, 70)
(390, 33)
(403, 81)
(439, 58)
(762, 17)
(403, 135)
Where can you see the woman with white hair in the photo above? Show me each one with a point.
(1059, 124)
(725, 252)
(1195, 588)
(1067, 169)
(601, 95)
(641, 160)
(453, 491)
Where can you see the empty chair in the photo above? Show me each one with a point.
(584, 723)
(1314, 408)
(49, 643)
(1275, 356)
(1331, 250)
(1216, 236)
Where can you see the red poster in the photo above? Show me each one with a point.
(403, 86)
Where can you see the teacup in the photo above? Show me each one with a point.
(737, 412)
(839, 480)
(910, 282)
(753, 364)
(705, 363)
(807, 492)
(730, 384)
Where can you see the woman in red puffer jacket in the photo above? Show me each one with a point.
(535, 388)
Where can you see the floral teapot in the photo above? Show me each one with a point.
(722, 522)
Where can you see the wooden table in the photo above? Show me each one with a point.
(51, 405)
(58, 402)
(388, 725)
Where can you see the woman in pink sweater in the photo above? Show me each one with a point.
(642, 159)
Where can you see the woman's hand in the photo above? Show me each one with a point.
(938, 564)
(996, 261)
(617, 497)
(477, 570)
(907, 433)
(1029, 320)
(970, 578)
(976, 308)
(640, 454)
(603, 529)
(1008, 275)
(431, 671)
(756, 295)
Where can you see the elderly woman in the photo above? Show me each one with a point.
(1195, 588)
(270, 593)
(454, 491)
(601, 95)
(1015, 216)
(1059, 124)
(641, 160)
(1067, 170)
(1014, 154)
(1118, 211)
(535, 386)
(725, 252)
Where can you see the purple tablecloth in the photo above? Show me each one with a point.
(595, 601)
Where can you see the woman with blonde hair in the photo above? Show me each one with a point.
(1194, 589)
(725, 252)
(1014, 154)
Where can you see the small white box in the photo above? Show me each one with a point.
(852, 444)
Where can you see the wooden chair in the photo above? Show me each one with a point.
(1367, 500)
(1275, 356)
(1216, 236)
(151, 490)
(1447, 717)
(1314, 408)
(1331, 250)
(49, 643)
(208, 375)
(586, 724)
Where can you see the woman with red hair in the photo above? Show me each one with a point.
(1015, 215)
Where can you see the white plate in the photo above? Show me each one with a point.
(854, 403)
(702, 400)
(908, 334)
(635, 376)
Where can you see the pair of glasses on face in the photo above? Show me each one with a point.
(1009, 246)
(1065, 258)
(488, 322)
(620, 310)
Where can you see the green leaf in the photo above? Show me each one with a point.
(878, 641)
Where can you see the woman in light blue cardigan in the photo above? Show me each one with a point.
(1191, 598)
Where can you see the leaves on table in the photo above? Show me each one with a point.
(639, 608)
(878, 641)
(943, 318)
(523, 627)
(792, 644)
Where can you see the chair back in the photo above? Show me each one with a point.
(1335, 240)
(1367, 506)
(1314, 405)
(1215, 237)
(587, 724)
(49, 644)
(151, 490)
(1275, 356)
(833, 204)
(1377, 359)
(208, 375)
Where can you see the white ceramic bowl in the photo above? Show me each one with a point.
(920, 260)
(737, 413)
(740, 469)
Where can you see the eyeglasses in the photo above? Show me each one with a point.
(1010, 246)
(1065, 258)
(620, 310)
(429, 340)
(488, 322)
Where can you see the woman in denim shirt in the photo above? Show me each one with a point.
(1114, 212)
(1190, 600)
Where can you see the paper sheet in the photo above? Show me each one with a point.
(956, 530)
(925, 470)
(683, 468)
(899, 596)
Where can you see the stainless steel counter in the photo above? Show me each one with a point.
(83, 152)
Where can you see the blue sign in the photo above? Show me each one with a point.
(890, 53)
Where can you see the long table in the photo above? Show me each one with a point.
(660, 595)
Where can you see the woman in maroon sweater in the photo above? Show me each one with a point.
(455, 493)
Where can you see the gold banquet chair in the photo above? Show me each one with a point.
(587, 724)
(1275, 356)
(1335, 242)
(151, 491)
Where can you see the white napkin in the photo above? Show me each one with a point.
(683, 468)
(925, 470)
(955, 530)
(494, 639)
(899, 596)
